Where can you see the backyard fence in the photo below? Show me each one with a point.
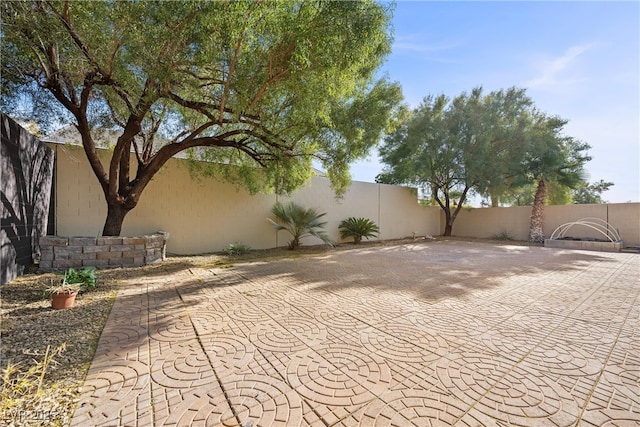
(514, 221)
(26, 170)
(204, 215)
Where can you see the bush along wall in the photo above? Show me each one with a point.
(58, 253)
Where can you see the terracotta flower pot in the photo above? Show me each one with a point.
(63, 299)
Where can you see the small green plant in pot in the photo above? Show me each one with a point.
(63, 294)
(358, 228)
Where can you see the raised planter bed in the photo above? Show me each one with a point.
(59, 253)
(609, 240)
(585, 245)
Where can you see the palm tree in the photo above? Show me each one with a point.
(299, 222)
(358, 228)
(551, 156)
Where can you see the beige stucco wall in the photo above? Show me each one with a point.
(485, 222)
(80, 208)
(395, 209)
(205, 215)
(201, 215)
(625, 217)
(403, 216)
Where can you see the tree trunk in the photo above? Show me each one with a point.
(448, 223)
(449, 216)
(536, 234)
(294, 243)
(115, 217)
(495, 200)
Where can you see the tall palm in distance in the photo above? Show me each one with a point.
(551, 157)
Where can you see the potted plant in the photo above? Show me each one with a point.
(63, 294)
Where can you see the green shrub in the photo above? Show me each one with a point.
(237, 248)
(358, 228)
(503, 235)
(299, 222)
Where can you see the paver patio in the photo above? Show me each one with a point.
(440, 333)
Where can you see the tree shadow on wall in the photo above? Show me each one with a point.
(27, 174)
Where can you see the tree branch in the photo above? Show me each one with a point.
(205, 108)
(119, 166)
(90, 151)
(232, 68)
(148, 139)
(65, 19)
(168, 151)
(273, 74)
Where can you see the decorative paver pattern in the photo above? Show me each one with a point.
(444, 333)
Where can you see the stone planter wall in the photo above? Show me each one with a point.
(584, 245)
(59, 253)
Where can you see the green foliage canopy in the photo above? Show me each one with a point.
(450, 147)
(488, 144)
(587, 193)
(264, 87)
(551, 155)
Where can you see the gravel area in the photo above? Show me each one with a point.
(29, 327)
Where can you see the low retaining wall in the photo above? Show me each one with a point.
(584, 245)
(59, 253)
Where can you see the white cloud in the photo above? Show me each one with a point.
(417, 44)
(559, 71)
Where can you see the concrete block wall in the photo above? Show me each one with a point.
(486, 222)
(205, 215)
(59, 253)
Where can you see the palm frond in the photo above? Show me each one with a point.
(358, 228)
(299, 222)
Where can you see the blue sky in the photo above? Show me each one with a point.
(577, 60)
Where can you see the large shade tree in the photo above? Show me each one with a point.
(259, 89)
(452, 147)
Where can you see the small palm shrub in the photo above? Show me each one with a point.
(503, 235)
(237, 248)
(299, 222)
(358, 228)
